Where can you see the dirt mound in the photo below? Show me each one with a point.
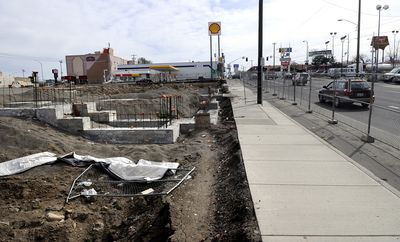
(214, 204)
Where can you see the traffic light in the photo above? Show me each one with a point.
(247, 59)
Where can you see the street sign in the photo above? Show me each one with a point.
(285, 50)
(380, 42)
(320, 52)
(214, 28)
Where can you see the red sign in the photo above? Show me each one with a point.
(285, 63)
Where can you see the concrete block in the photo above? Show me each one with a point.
(74, 124)
(105, 116)
(83, 109)
(202, 120)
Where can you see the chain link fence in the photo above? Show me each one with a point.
(356, 115)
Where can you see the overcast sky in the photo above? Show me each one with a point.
(176, 30)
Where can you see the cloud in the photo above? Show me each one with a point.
(176, 30)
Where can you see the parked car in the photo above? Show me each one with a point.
(393, 75)
(301, 79)
(271, 75)
(144, 82)
(347, 91)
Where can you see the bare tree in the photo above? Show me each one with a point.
(142, 60)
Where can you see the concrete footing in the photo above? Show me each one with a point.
(78, 118)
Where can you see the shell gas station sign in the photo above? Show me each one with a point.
(214, 28)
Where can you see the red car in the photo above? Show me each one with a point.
(347, 91)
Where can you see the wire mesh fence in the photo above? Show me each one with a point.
(94, 182)
(384, 121)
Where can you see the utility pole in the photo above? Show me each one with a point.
(260, 51)
(358, 39)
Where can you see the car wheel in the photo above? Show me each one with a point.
(337, 102)
(365, 105)
(321, 99)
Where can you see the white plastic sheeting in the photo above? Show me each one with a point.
(120, 167)
(25, 163)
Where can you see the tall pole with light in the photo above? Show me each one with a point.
(367, 138)
(305, 41)
(333, 34)
(341, 65)
(41, 69)
(326, 49)
(61, 72)
(348, 44)
(395, 32)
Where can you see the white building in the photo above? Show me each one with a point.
(177, 70)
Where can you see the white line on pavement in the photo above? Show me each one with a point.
(394, 107)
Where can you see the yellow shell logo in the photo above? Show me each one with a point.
(214, 28)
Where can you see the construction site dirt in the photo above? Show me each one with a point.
(213, 205)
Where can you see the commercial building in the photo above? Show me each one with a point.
(92, 68)
(162, 71)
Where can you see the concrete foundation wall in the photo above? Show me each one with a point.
(137, 123)
(131, 136)
(17, 112)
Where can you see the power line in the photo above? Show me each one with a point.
(17, 56)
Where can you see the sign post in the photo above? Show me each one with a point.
(214, 29)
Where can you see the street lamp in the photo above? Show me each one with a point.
(395, 32)
(348, 44)
(61, 68)
(367, 138)
(41, 68)
(326, 49)
(305, 41)
(341, 66)
(333, 34)
(379, 8)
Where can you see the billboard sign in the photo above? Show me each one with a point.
(380, 42)
(320, 52)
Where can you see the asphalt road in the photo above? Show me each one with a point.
(385, 113)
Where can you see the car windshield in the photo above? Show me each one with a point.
(395, 70)
(359, 85)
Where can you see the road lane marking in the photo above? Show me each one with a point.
(394, 107)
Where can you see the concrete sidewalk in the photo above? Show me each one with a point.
(304, 189)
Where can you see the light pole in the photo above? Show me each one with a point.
(395, 32)
(61, 68)
(368, 138)
(305, 41)
(379, 8)
(41, 68)
(326, 49)
(348, 45)
(333, 34)
(341, 65)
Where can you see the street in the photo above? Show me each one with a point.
(386, 110)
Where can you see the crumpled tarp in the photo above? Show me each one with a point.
(25, 163)
(119, 167)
